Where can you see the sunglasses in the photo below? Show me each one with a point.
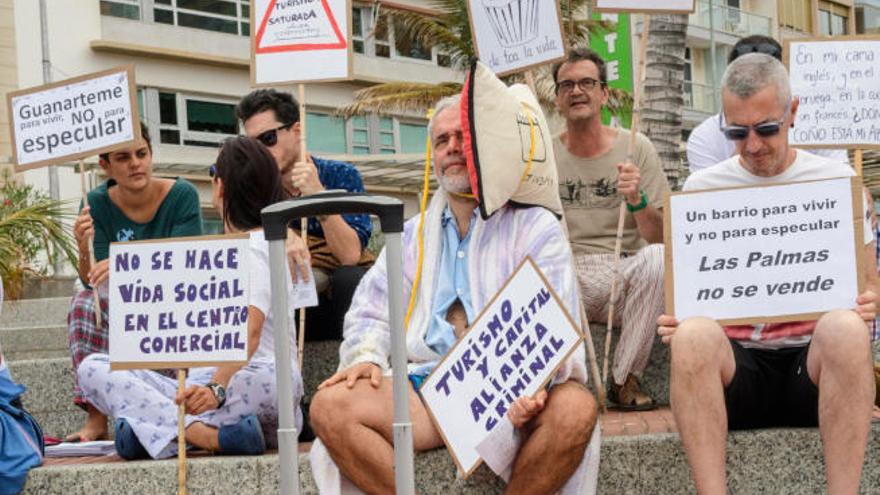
(212, 172)
(270, 137)
(765, 48)
(586, 85)
(764, 129)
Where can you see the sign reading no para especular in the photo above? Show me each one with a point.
(300, 41)
(74, 118)
(180, 302)
(786, 252)
(512, 349)
(514, 35)
(837, 82)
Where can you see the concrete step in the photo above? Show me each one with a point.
(35, 312)
(778, 461)
(34, 342)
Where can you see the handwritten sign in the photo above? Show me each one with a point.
(179, 302)
(514, 35)
(74, 118)
(764, 254)
(837, 81)
(646, 6)
(300, 41)
(513, 348)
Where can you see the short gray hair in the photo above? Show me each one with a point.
(443, 104)
(753, 72)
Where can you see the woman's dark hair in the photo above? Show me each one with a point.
(251, 181)
(145, 133)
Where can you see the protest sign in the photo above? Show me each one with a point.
(776, 253)
(512, 349)
(837, 81)
(300, 41)
(177, 303)
(646, 6)
(515, 35)
(74, 118)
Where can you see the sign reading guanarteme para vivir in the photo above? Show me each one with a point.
(83, 116)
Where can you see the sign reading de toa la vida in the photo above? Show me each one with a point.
(74, 118)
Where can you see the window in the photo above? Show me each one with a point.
(192, 120)
(413, 137)
(383, 40)
(796, 14)
(128, 9)
(833, 19)
(375, 134)
(360, 135)
(407, 47)
(325, 133)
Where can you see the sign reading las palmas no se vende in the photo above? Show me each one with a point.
(75, 118)
(776, 253)
(179, 302)
(512, 349)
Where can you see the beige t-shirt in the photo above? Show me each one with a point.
(588, 188)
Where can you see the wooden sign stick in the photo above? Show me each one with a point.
(181, 434)
(303, 222)
(82, 184)
(857, 161)
(634, 129)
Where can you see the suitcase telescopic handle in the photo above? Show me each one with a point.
(277, 217)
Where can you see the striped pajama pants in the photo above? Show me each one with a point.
(638, 303)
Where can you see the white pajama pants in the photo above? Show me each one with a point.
(639, 302)
(146, 400)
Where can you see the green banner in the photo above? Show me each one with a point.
(615, 47)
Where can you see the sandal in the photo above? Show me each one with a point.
(629, 396)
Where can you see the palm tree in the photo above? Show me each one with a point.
(450, 32)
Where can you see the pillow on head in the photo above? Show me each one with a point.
(503, 127)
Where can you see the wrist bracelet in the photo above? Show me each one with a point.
(641, 206)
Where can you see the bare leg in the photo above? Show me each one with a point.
(840, 363)
(702, 365)
(556, 441)
(203, 436)
(95, 427)
(355, 426)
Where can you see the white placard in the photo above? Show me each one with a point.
(646, 6)
(75, 118)
(300, 41)
(777, 253)
(513, 348)
(838, 85)
(514, 35)
(179, 302)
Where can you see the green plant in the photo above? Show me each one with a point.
(31, 223)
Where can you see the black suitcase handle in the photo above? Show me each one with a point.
(277, 217)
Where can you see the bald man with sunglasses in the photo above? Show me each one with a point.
(792, 374)
(337, 243)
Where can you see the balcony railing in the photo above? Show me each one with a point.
(730, 20)
(700, 97)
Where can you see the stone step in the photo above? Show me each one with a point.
(34, 342)
(778, 461)
(35, 312)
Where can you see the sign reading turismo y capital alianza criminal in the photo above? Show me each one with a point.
(74, 118)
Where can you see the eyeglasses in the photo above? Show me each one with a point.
(586, 85)
(765, 48)
(764, 129)
(212, 172)
(270, 137)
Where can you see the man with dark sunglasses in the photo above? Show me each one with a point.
(337, 244)
(595, 176)
(707, 146)
(792, 374)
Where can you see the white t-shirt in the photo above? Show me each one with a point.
(261, 298)
(707, 146)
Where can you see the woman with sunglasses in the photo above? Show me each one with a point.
(228, 407)
(131, 205)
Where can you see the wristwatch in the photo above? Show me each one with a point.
(642, 204)
(219, 393)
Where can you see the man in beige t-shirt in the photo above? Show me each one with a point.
(594, 177)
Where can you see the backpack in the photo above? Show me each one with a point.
(21, 439)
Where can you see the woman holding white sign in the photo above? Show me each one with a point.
(228, 407)
(131, 205)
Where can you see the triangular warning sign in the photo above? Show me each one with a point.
(298, 25)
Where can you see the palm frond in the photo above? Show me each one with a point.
(402, 97)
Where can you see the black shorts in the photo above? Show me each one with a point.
(771, 388)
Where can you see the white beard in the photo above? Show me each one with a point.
(455, 184)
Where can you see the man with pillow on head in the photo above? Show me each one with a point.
(466, 261)
(792, 374)
(595, 175)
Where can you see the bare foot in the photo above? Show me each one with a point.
(94, 429)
